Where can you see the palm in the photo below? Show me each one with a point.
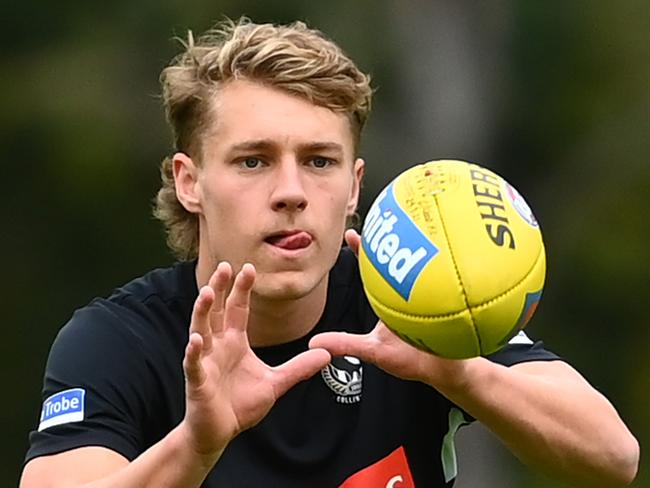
(228, 388)
(397, 357)
(233, 386)
(386, 350)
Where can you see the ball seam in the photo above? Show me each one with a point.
(469, 308)
(418, 317)
(458, 276)
(513, 287)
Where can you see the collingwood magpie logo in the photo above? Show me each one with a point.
(343, 376)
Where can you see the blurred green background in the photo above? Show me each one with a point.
(555, 96)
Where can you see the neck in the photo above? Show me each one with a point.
(273, 322)
(277, 321)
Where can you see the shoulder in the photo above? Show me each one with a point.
(163, 288)
(118, 363)
(169, 285)
(521, 349)
(134, 314)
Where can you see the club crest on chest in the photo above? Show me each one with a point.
(344, 375)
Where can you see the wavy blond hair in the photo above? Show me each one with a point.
(293, 58)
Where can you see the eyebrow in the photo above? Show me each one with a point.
(269, 144)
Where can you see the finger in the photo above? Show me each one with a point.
(219, 282)
(303, 366)
(353, 239)
(344, 344)
(238, 302)
(200, 322)
(194, 373)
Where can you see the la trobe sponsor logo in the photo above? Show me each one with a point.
(62, 408)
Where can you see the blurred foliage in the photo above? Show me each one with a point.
(552, 95)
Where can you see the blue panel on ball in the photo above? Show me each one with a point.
(395, 246)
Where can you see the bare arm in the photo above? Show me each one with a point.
(545, 412)
(551, 418)
(227, 389)
(168, 463)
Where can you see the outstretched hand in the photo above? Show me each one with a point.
(387, 351)
(228, 388)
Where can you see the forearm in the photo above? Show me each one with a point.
(557, 423)
(170, 463)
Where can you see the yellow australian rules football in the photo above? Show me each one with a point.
(452, 259)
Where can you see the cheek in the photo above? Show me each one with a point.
(216, 205)
(333, 211)
(331, 207)
(337, 193)
(222, 209)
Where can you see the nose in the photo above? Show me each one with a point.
(289, 191)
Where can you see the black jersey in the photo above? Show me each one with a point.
(114, 378)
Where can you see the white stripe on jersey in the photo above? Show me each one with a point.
(520, 338)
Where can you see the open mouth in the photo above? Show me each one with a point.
(290, 240)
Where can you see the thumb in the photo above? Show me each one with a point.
(303, 366)
(353, 240)
(344, 344)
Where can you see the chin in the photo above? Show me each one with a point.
(291, 286)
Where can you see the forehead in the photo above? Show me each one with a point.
(244, 110)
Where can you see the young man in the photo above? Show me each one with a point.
(267, 122)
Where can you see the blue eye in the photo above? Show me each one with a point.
(321, 162)
(252, 163)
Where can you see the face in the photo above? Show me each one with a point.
(277, 182)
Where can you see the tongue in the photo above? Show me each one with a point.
(292, 241)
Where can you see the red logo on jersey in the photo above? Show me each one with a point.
(391, 472)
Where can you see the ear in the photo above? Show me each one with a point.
(186, 175)
(358, 172)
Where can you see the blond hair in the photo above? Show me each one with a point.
(293, 58)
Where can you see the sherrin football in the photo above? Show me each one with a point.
(452, 259)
